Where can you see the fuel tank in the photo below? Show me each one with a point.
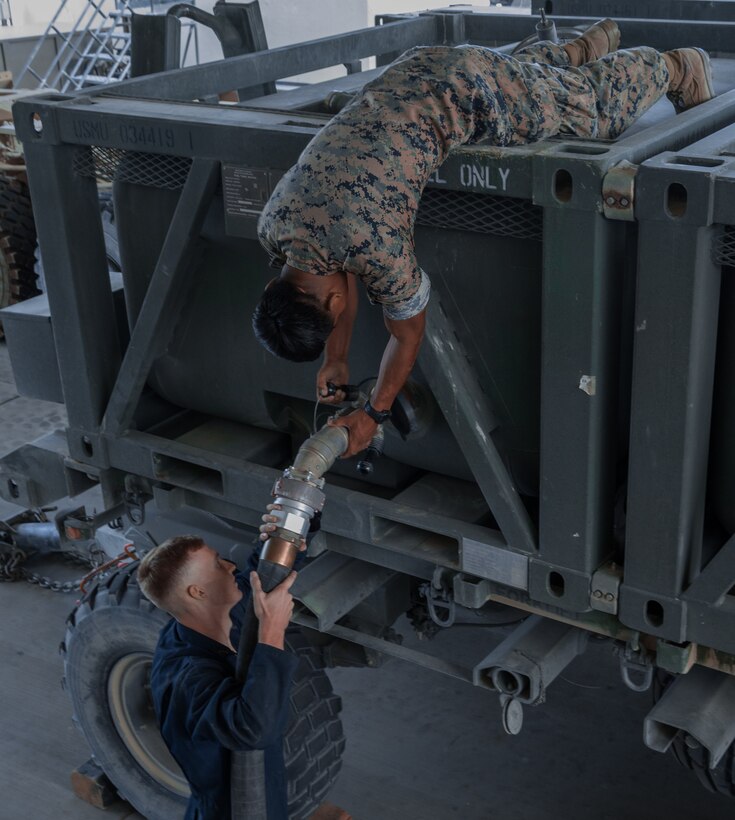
(489, 287)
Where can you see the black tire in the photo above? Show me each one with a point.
(694, 757)
(110, 638)
(17, 241)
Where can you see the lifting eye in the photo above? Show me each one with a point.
(676, 200)
(556, 584)
(654, 613)
(563, 185)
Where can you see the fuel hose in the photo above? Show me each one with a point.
(298, 493)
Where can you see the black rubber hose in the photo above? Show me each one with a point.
(270, 575)
(247, 789)
(247, 774)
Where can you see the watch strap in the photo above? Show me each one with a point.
(378, 416)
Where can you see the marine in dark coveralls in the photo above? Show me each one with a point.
(204, 712)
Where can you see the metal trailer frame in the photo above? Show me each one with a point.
(676, 586)
(650, 9)
(586, 191)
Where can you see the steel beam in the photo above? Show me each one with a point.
(261, 67)
(78, 284)
(579, 388)
(155, 44)
(717, 578)
(650, 9)
(394, 650)
(468, 413)
(677, 306)
(166, 291)
(247, 36)
(676, 321)
(495, 29)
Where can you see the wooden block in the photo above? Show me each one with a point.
(328, 811)
(90, 784)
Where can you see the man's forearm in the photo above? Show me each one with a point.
(395, 367)
(337, 346)
(398, 360)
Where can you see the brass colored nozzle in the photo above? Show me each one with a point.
(280, 551)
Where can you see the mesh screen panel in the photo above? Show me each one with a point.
(154, 170)
(724, 250)
(458, 210)
(467, 211)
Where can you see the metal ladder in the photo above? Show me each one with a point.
(95, 50)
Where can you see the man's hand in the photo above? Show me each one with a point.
(269, 525)
(273, 609)
(337, 372)
(361, 428)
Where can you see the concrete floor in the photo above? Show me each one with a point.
(420, 746)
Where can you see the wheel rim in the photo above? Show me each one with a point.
(131, 707)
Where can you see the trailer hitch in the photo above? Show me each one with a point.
(523, 666)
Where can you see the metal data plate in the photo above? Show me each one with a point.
(246, 190)
(495, 563)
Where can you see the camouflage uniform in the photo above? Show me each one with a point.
(349, 204)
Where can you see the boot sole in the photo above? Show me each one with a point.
(610, 27)
(707, 66)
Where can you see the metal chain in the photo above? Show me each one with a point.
(11, 569)
(10, 564)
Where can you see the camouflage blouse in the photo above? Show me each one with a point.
(350, 201)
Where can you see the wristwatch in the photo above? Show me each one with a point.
(378, 416)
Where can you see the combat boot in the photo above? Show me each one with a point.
(599, 40)
(690, 77)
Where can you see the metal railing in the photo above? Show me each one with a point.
(94, 49)
(6, 13)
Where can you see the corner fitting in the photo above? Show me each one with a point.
(605, 588)
(618, 192)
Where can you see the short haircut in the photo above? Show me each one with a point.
(162, 568)
(290, 324)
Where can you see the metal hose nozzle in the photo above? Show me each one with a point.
(317, 454)
(298, 493)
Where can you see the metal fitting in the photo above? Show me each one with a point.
(530, 658)
(298, 493)
(318, 453)
(700, 706)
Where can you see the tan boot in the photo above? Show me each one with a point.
(690, 77)
(599, 40)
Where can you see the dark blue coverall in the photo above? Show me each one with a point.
(205, 713)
